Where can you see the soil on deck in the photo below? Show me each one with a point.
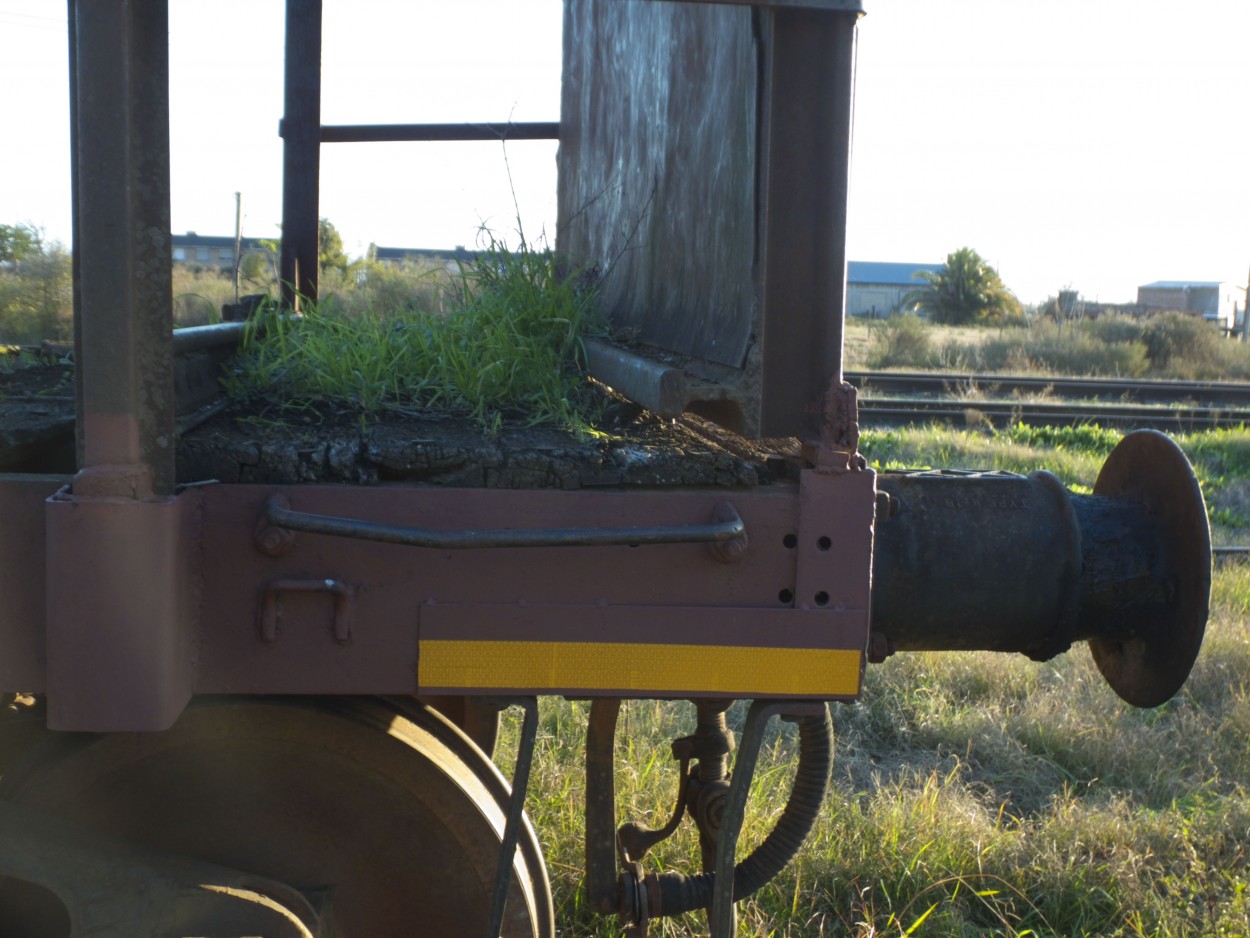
(36, 416)
(633, 448)
(442, 450)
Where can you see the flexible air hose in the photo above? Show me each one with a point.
(680, 893)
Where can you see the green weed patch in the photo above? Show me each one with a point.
(507, 348)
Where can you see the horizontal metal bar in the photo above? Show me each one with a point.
(1231, 551)
(386, 133)
(656, 386)
(218, 335)
(830, 6)
(716, 532)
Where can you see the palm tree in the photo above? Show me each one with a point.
(966, 290)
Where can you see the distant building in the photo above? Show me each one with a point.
(876, 288)
(1217, 301)
(400, 256)
(215, 251)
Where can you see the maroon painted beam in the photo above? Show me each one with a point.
(301, 152)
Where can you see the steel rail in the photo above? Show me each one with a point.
(904, 411)
(1114, 389)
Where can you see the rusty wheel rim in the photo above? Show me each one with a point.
(390, 820)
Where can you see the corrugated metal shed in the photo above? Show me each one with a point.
(877, 288)
(891, 273)
(1179, 284)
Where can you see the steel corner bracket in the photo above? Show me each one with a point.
(120, 611)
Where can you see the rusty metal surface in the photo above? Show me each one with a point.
(1011, 563)
(23, 573)
(658, 387)
(600, 810)
(108, 887)
(808, 92)
(172, 605)
(658, 620)
(659, 594)
(1149, 660)
(121, 588)
(122, 253)
(722, 529)
(704, 161)
(375, 133)
(385, 816)
(974, 561)
(301, 152)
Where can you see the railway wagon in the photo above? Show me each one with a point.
(267, 707)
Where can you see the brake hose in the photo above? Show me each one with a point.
(680, 893)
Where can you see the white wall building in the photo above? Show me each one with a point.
(876, 288)
(1218, 301)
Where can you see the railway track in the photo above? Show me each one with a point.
(899, 398)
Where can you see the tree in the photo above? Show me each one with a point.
(966, 290)
(330, 251)
(36, 298)
(18, 242)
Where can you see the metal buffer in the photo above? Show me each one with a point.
(963, 561)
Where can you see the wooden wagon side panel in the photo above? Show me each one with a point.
(658, 169)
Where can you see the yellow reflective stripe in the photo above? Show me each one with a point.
(815, 672)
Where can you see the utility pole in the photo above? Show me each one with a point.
(238, 240)
(1245, 312)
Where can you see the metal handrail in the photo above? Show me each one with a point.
(730, 527)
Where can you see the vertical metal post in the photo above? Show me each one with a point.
(238, 240)
(75, 240)
(118, 569)
(805, 137)
(123, 336)
(1245, 312)
(301, 151)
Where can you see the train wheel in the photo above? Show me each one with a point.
(389, 820)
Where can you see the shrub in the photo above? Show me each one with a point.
(1113, 328)
(1044, 349)
(371, 288)
(37, 298)
(1172, 338)
(901, 341)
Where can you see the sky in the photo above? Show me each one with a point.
(1087, 144)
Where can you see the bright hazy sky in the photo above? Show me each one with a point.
(1097, 144)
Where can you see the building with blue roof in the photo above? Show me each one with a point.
(876, 288)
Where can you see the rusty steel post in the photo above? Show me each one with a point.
(118, 577)
(805, 140)
(301, 152)
(122, 251)
(75, 240)
(600, 882)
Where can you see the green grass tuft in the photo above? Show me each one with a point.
(508, 349)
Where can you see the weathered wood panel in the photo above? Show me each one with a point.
(704, 154)
(658, 169)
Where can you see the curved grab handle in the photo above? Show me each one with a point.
(726, 531)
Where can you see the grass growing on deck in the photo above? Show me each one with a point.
(508, 348)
